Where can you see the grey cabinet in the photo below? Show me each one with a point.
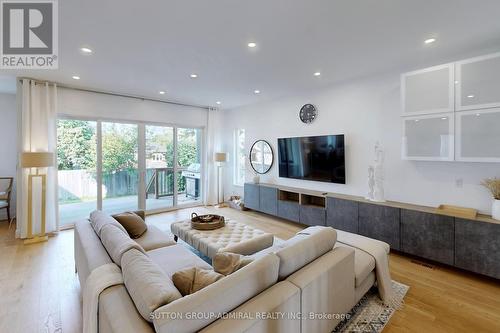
(342, 214)
(268, 200)
(252, 196)
(477, 247)
(312, 215)
(289, 210)
(380, 222)
(428, 235)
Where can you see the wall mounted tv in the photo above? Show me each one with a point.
(319, 158)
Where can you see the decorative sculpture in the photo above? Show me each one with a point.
(376, 176)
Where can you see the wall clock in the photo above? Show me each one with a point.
(308, 113)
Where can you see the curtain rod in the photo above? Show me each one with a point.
(103, 92)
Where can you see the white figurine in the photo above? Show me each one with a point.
(378, 192)
(371, 182)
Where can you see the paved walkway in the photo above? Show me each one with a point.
(71, 212)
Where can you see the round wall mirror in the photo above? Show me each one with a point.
(261, 156)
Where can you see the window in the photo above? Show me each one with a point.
(240, 157)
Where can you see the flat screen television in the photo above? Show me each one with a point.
(319, 158)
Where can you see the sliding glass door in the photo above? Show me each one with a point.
(159, 167)
(116, 167)
(120, 177)
(188, 165)
(77, 173)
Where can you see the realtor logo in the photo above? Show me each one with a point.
(29, 34)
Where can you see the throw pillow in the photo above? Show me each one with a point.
(133, 223)
(226, 263)
(190, 280)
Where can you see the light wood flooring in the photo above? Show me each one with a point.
(39, 291)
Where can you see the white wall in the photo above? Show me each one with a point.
(94, 105)
(365, 111)
(8, 146)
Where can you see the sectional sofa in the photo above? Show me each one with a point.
(305, 284)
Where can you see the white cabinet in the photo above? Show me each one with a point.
(426, 91)
(478, 83)
(428, 137)
(478, 135)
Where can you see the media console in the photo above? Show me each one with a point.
(473, 245)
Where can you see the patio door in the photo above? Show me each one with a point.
(122, 166)
(159, 173)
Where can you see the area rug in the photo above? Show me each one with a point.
(370, 315)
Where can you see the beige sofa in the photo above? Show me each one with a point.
(277, 292)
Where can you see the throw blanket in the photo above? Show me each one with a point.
(378, 251)
(99, 279)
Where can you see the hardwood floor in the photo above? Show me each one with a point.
(39, 291)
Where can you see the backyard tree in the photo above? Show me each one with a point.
(75, 145)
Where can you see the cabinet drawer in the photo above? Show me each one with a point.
(477, 247)
(342, 214)
(252, 196)
(268, 200)
(380, 222)
(428, 235)
(311, 215)
(289, 210)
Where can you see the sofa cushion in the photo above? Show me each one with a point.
(132, 222)
(226, 263)
(117, 242)
(99, 219)
(364, 264)
(190, 280)
(154, 238)
(304, 247)
(146, 283)
(174, 258)
(219, 297)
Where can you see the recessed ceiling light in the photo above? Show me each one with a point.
(470, 96)
(256, 91)
(417, 120)
(444, 118)
(218, 103)
(429, 40)
(252, 44)
(86, 50)
(317, 74)
(456, 82)
(161, 92)
(76, 77)
(193, 76)
(478, 114)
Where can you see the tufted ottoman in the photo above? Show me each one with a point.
(234, 237)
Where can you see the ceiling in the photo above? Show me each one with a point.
(141, 48)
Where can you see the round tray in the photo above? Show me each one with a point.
(207, 222)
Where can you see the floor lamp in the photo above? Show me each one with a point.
(38, 160)
(220, 158)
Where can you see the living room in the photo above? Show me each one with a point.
(250, 167)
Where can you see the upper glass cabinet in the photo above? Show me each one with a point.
(478, 83)
(428, 137)
(478, 135)
(427, 91)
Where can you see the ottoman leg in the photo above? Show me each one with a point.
(175, 238)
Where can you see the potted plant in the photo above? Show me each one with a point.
(493, 184)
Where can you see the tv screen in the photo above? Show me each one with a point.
(319, 158)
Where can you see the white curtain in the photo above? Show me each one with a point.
(37, 108)
(213, 146)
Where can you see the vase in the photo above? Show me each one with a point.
(495, 210)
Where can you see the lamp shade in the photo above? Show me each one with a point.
(220, 157)
(37, 159)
